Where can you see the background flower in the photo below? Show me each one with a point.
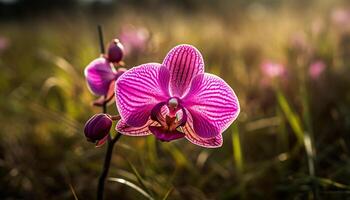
(134, 38)
(273, 70)
(316, 68)
(4, 43)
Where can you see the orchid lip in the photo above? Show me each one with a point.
(168, 123)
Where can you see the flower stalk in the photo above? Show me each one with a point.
(111, 141)
(106, 164)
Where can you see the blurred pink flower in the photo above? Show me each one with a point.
(299, 43)
(316, 68)
(273, 70)
(4, 43)
(134, 38)
(298, 40)
(341, 18)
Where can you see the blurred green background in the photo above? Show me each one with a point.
(290, 141)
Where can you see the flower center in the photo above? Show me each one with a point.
(168, 121)
(173, 103)
(171, 120)
(173, 106)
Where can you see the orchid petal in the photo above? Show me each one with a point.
(165, 136)
(110, 93)
(102, 141)
(194, 138)
(184, 62)
(212, 104)
(156, 113)
(125, 129)
(99, 75)
(138, 90)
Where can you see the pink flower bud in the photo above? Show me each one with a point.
(98, 127)
(115, 51)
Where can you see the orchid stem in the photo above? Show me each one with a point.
(100, 37)
(111, 141)
(104, 105)
(107, 162)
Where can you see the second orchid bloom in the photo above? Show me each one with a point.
(176, 99)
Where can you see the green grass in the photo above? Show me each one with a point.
(269, 152)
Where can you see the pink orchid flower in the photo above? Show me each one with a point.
(4, 43)
(176, 99)
(101, 76)
(273, 70)
(341, 18)
(316, 68)
(134, 38)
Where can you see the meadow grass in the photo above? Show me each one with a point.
(290, 141)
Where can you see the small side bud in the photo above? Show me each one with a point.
(97, 127)
(115, 51)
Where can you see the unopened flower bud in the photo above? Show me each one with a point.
(115, 51)
(97, 127)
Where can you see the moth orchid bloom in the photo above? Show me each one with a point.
(176, 99)
(101, 77)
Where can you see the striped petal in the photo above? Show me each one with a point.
(99, 75)
(212, 104)
(193, 137)
(125, 129)
(138, 90)
(184, 62)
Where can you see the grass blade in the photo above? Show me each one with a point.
(166, 196)
(237, 150)
(292, 118)
(177, 154)
(139, 178)
(329, 182)
(132, 185)
(73, 191)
